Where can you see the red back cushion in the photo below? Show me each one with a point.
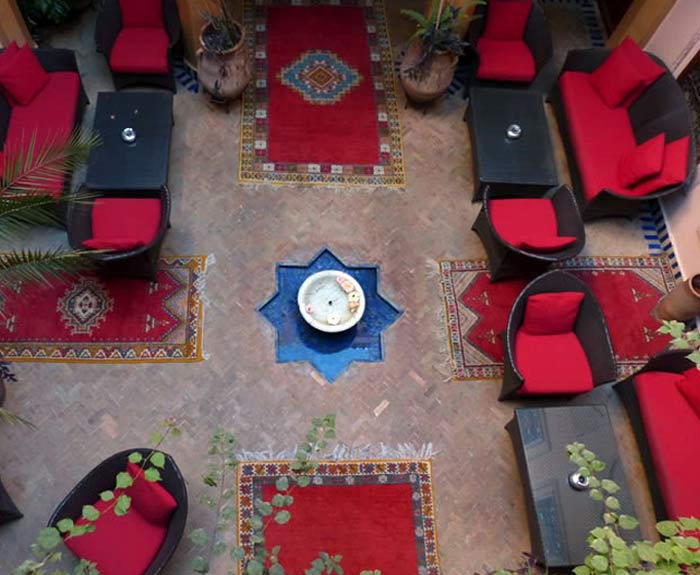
(616, 79)
(689, 386)
(545, 245)
(645, 66)
(673, 171)
(642, 162)
(551, 313)
(142, 13)
(116, 243)
(150, 499)
(507, 19)
(22, 76)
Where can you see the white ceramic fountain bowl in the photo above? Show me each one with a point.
(325, 295)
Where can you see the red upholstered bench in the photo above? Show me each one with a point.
(524, 236)
(663, 402)
(556, 341)
(512, 41)
(41, 99)
(626, 128)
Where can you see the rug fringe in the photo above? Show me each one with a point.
(200, 285)
(345, 452)
(444, 365)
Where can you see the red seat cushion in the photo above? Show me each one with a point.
(116, 243)
(689, 387)
(505, 60)
(527, 223)
(140, 51)
(599, 134)
(5, 60)
(50, 115)
(507, 19)
(616, 79)
(552, 364)
(642, 162)
(22, 76)
(672, 430)
(673, 171)
(150, 498)
(551, 313)
(135, 218)
(123, 545)
(141, 13)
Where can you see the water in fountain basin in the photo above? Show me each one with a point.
(326, 297)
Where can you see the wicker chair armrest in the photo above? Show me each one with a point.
(171, 18)
(109, 24)
(538, 38)
(57, 59)
(584, 60)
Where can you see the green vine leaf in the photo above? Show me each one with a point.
(135, 457)
(65, 525)
(283, 517)
(124, 480)
(199, 565)
(158, 459)
(667, 528)
(282, 484)
(49, 538)
(90, 513)
(123, 504)
(107, 495)
(199, 537)
(152, 474)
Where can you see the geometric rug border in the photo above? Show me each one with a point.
(189, 352)
(461, 372)
(424, 505)
(248, 174)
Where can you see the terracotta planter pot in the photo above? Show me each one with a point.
(683, 303)
(224, 75)
(432, 84)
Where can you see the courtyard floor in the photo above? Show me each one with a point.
(84, 413)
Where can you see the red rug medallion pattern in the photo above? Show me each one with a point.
(376, 514)
(98, 319)
(321, 107)
(477, 310)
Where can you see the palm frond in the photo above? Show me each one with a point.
(21, 213)
(29, 168)
(42, 265)
(14, 419)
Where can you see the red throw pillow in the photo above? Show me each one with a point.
(673, 171)
(642, 62)
(689, 386)
(114, 243)
(22, 77)
(507, 19)
(616, 79)
(150, 498)
(552, 313)
(542, 244)
(642, 162)
(141, 13)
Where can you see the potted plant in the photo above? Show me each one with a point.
(429, 64)
(222, 59)
(682, 303)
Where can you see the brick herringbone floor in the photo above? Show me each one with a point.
(87, 412)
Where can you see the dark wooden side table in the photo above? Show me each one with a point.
(526, 161)
(141, 165)
(8, 510)
(561, 517)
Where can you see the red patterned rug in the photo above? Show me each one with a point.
(118, 320)
(321, 107)
(376, 514)
(477, 310)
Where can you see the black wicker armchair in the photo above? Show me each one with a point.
(675, 361)
(110, 25)
(538, 41)
(139, 262)
(8, 509)
(102, 478)
(505, 259)
(590, 329)
(662, 108)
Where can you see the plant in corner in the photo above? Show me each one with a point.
(611, 553)
(222, 59)
(428, 66)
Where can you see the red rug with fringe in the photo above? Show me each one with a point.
(321, 107)
(88, 318)
(375, 514)
(477, 311)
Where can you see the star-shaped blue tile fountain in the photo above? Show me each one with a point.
(329, 353)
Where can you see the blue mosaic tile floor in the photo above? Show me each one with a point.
(330, 354)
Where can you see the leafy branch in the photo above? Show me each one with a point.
(683, 338)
